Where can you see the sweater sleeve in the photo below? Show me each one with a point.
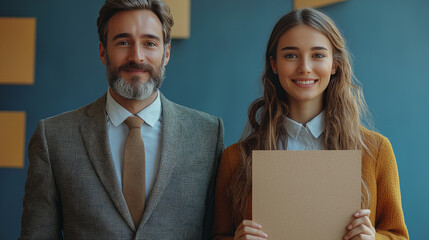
(223, 227)
(389, 219)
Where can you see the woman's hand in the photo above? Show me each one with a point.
(360, 228)
(249, 230)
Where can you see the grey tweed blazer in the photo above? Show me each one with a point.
(72, 190)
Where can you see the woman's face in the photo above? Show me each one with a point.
(304, 64)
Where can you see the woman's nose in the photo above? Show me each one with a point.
(304, 66)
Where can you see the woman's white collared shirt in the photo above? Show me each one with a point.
(308, 137)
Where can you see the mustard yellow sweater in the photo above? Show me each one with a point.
(379, 171)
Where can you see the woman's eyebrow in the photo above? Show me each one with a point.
(296, 48)
(289, 48)
(319, 48)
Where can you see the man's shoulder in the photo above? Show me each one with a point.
(75, 115)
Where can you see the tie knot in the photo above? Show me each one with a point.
(134, 122)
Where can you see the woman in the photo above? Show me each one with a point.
(310, 103)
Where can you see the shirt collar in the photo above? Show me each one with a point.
(117, 114)
(316, 126)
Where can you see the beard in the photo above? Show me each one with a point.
(135, 89)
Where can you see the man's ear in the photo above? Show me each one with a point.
(167, 54)
(273, 65)
(102, 53)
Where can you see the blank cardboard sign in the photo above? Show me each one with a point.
(305, 194)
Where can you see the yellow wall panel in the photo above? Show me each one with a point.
(17, 50)
(12, 139)
(181, 10)
(314, 3)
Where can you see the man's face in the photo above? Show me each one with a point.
(135, 54)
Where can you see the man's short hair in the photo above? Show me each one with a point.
(111, 7)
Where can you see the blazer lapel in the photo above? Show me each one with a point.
(171, 152)
(94, 133)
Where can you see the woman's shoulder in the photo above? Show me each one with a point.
(231, 156)
(371, 137)
(233, 149)
(376, 143)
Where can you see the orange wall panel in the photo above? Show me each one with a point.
(12, 139)
(314, 3)
(17, 50)
(181, 11)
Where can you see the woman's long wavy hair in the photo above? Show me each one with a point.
(344, 106)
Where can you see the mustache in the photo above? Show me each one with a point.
(140, 66)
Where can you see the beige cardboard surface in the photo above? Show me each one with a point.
(314, 3)
(17, 50)
(12, 139)
(305, 194)
(181, 11)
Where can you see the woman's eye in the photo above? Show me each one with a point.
(319, 55)
(290, 55)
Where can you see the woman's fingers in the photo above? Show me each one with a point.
(362, 212)
(249, 230)
(249, 223)
(361, 227)
(363, 237)
(360, 221)
(359, 232)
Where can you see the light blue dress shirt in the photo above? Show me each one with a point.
(151, 133)
(308, 137)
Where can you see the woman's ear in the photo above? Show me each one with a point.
(334, 68)
(273, 65)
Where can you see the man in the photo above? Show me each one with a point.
(90, 177)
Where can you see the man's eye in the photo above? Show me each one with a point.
(122, 43)
(151, 44)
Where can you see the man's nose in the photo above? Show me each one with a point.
(137, 54)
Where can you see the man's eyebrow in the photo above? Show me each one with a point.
(150, 36)
(127, 35)
(121, 35)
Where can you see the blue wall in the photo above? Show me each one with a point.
(217, 71)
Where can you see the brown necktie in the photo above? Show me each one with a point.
(133, 177)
